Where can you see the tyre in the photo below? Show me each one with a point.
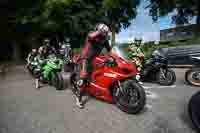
(131, 99)
(169, 79)
(194, 110)
(68, 67)
(192, 76)
(57, 80)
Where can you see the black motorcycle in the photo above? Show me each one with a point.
(194, 110)
(156, 69)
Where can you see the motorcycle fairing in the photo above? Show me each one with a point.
(103, 77)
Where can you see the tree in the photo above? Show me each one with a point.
(119, 14)
(185, 10)
(75, 18)
(68, 17)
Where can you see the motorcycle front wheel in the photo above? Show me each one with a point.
(166, 78)
(194, 110)
(192, 76)
(131, 98)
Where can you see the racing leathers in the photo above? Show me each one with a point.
(94, 44)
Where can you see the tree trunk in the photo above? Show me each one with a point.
(16, 52)
(198, 18)
(198, 14)
(113, 38)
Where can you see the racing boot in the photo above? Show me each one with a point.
(81, 84)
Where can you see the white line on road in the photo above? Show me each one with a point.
(148, 106)
(147, 87)
(172, 86)
(150, 87)
(151, 95)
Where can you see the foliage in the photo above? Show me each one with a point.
(185, 10)
(188, 28)
(73, 18)
(148, 49)
(70, 17)
(119, 14)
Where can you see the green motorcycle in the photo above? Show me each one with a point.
(49, 71)
(52, 72)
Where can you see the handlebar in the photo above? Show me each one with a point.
(109, 62)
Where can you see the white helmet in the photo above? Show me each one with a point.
(103, 28)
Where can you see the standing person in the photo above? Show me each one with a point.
(136, 55)
(49, 49)
(38, 62)
(30, 59)
(95, 42)
(31, 56)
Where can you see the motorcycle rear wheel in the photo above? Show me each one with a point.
(189, 77)
(132, 99)
(194, 110)
(68, 67)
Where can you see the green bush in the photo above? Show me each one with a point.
(148, 48)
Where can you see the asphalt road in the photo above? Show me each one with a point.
(24, 109)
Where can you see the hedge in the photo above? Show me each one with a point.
(149, 47)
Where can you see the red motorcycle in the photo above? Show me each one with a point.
(113, 80)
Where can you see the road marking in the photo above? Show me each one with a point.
(147, 87)
(153, 86)
(148, 106)
(172, 86)
(152, 95)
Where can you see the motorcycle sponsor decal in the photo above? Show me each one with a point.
(99, 59)
(110, 75)
(118, 74)
(98, 86)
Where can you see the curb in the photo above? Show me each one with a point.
(180, 66)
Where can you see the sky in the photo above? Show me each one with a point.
(143, 27)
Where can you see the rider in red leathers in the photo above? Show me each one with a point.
(94, 44)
